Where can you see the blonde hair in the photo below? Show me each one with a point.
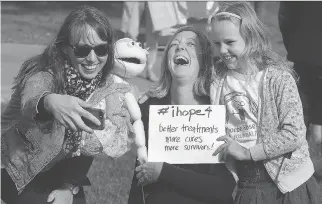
(258, 49)
(202, 83)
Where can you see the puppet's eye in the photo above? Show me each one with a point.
(140, 44)
(131, 44)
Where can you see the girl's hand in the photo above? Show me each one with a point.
(148, 173)
(68, 110)
(60, 196)
(233, 148)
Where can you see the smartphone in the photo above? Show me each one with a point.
(99, 114)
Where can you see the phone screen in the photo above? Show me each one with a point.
(99, 114)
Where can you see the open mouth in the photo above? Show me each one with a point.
(181, 60)
(131, 60)
(227, 57)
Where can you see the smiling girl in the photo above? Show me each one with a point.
(265, 146)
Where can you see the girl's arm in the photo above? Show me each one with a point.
(291, 131)
(216, 186)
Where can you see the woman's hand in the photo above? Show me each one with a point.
(148, 173)
(68, 110)
(233, 148)
(60, 196)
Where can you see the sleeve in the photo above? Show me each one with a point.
(145, 119)
(34, 89)
(217, 186)
(292, 130)
(42, 114)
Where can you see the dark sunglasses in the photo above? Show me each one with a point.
(82, 51)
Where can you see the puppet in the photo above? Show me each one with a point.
(121, 107)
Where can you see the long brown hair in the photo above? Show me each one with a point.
(53, 58)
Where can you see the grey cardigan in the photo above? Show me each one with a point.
(281, 130)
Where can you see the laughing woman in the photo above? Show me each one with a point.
(182, 83)
(42, 124)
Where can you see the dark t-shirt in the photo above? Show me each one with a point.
(185, 183)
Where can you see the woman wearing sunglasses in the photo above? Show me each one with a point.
(42, 123)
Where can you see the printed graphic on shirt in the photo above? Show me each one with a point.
(241, 118)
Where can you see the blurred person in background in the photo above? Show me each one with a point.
(259, 7)
(159, 18)
(197, 12)
(301, 27)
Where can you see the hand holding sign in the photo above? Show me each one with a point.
(185, 134)
(148, 172)
(233, 148)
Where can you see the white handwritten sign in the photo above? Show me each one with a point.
(185, 134)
